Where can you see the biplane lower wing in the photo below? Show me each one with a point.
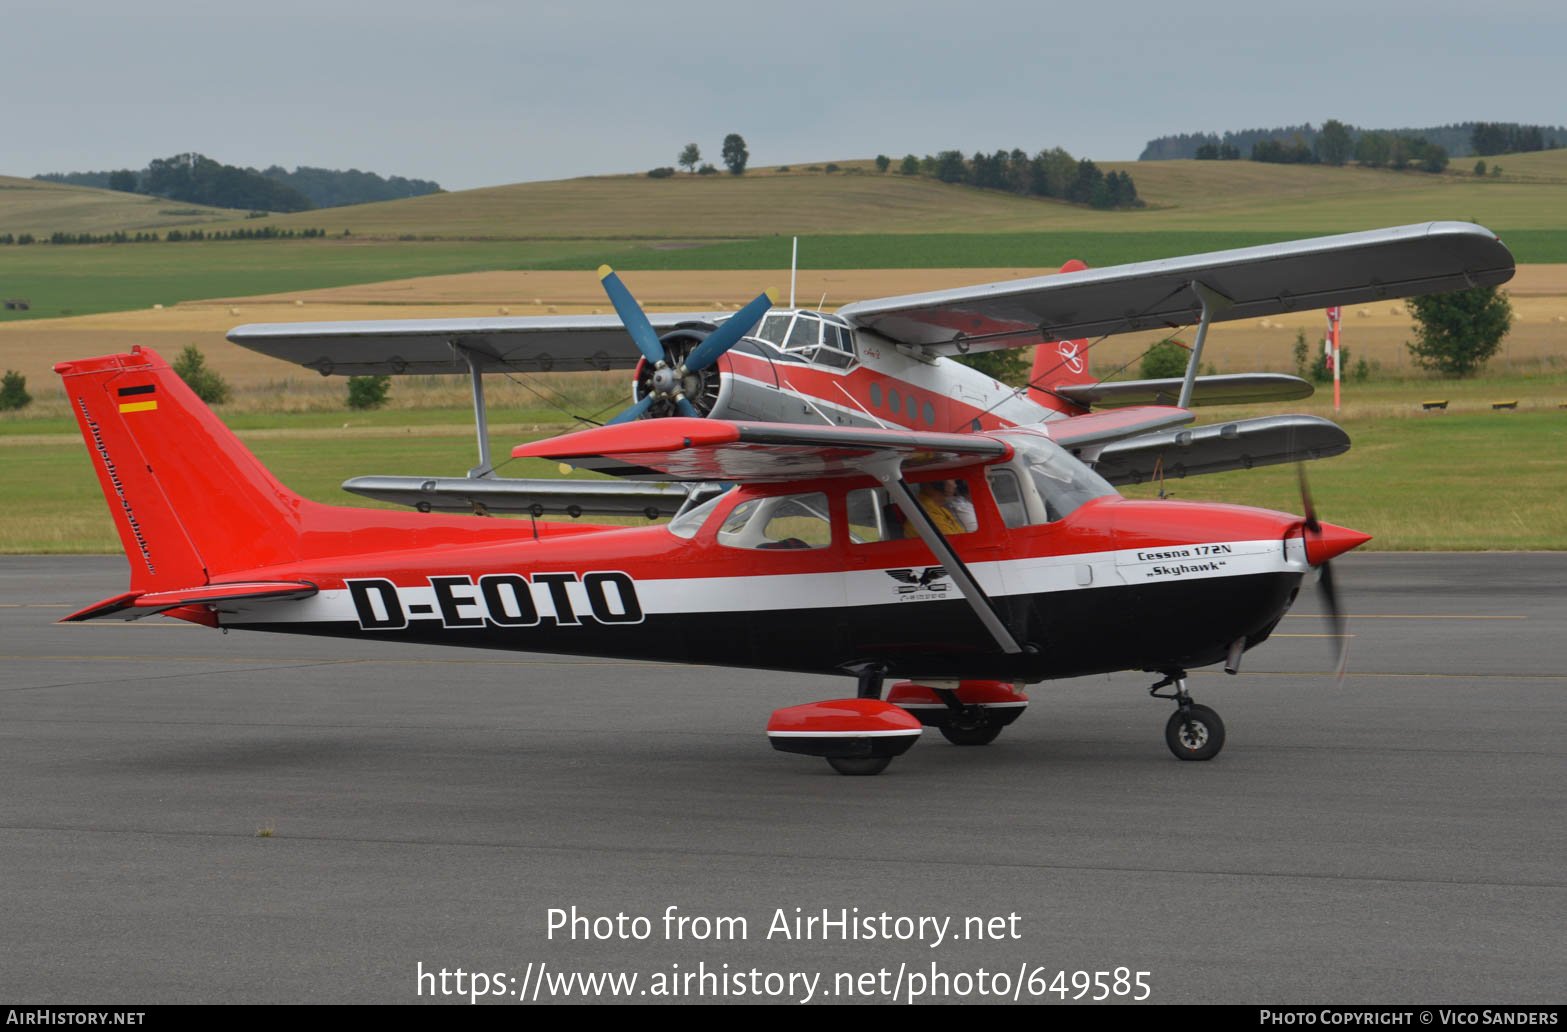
(1223, 389)
(1219, 447)
(712, 450)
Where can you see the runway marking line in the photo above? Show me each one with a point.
(1400, 616)
(327, 659)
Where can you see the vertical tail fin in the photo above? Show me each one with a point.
(1059, 363)
(187, 498)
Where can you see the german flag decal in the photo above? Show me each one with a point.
(138, 399)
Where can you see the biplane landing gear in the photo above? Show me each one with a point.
(1193, 732)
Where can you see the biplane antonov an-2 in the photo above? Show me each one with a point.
(837, 544)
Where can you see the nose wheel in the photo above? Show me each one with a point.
(1193, 732)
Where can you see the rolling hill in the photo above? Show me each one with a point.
(39, 207)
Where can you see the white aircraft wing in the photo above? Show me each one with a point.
(430, 346)
(1299, 275)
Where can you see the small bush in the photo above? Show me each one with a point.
(882, 162)
(13, 391)
(706, 170)
(782, 168)
(208, 385)
(368, 392)
(660, 173)
(832, 168)
(1165, 359)
(1319, 368)
(1302, 354)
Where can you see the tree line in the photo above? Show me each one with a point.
(1460, 139)
(173, 236)
(1049, 173)
(198, 179)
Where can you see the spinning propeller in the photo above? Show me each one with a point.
(1323, 541)
(671, 373)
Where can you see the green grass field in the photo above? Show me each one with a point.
(92, 278)
(1468, 478)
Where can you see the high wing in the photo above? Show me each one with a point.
(1268, 280)
(1243, 444)
(431, 346)
(491, 495)
(714, 450)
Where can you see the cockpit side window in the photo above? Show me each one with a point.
(837, 348)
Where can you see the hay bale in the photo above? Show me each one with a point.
(1365, 313)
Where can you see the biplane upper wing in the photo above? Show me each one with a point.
(713, 450)
(1299, 275)
(381, 347)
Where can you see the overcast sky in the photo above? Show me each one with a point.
(475, 93)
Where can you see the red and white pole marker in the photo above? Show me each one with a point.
(1334, 315)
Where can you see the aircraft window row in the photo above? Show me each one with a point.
(905, 407)
(787, 521)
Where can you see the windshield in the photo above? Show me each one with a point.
(1061, 479)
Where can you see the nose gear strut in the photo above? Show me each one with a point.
(1193, 732)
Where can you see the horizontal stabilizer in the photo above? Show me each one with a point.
(713, 450)
(488, 495)
(1226, 389)
(1219, 447)
(134, 605)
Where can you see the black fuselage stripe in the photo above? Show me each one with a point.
(1157, 626)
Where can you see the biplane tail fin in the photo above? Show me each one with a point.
(1059, 363)
(188, 499)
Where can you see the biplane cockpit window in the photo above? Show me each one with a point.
(1061, 483)
(787, 521)
(775, 328)
(837, 348)
(805, 335)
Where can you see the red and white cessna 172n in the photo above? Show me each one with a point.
(831, 554)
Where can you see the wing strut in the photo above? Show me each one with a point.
(888, 470)
(1212, 301)
(485, 468)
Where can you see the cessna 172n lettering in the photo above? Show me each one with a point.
(831, 552)
(887, 363)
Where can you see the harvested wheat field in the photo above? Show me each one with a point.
(1538, 341)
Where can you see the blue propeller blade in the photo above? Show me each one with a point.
(634, 412)
(632, 316)
(688, 409)
(729, 334)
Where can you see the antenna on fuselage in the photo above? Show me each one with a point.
(823, 301)
(794, 263)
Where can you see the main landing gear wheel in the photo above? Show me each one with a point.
(859, 765)
(1194, 733)
(979, 734)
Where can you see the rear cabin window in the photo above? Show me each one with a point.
(779, 522)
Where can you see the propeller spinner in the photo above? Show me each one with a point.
(671, 370)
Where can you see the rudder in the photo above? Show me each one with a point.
(187, 498)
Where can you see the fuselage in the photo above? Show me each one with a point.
(828, 584)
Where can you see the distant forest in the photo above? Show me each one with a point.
(1461, 140)
(198, 179)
